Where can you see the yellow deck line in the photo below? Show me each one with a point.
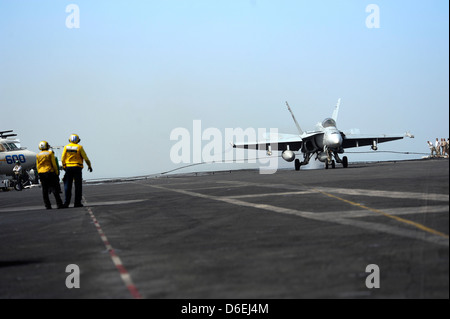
(402, 220)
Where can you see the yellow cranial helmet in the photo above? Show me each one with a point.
(74, 138)
(43, 145)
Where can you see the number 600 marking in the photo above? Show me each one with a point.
(11, 159)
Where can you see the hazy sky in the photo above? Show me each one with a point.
(133, 71)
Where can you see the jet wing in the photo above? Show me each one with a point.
(357, 140)
(281, 142)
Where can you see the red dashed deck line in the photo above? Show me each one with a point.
(125, 276)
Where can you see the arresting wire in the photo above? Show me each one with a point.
(266, 157)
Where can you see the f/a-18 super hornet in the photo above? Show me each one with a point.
(327, 142)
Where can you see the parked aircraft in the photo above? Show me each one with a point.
(10, 153)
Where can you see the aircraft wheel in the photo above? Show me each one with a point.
(345, 161)
(297, 164)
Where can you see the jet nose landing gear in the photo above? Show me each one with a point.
(343, 161)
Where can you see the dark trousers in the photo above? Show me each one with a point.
(73, 174)
(50, 183)
(18, 178)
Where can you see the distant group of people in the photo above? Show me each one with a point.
(72, 162)
(439, 148)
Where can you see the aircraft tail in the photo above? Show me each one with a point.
(336, 110)
(300, 131)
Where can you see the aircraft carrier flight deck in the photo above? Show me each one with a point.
(375, 230)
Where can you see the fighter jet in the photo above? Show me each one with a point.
(10, 153)
(327, 142)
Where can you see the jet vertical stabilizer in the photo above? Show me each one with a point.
(336, 110)
(300, 131)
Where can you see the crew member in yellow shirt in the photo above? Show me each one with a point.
(72, 160)
(48, 174)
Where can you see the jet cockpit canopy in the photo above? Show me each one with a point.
(328, 122)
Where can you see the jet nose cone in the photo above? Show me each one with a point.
(334, 140)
